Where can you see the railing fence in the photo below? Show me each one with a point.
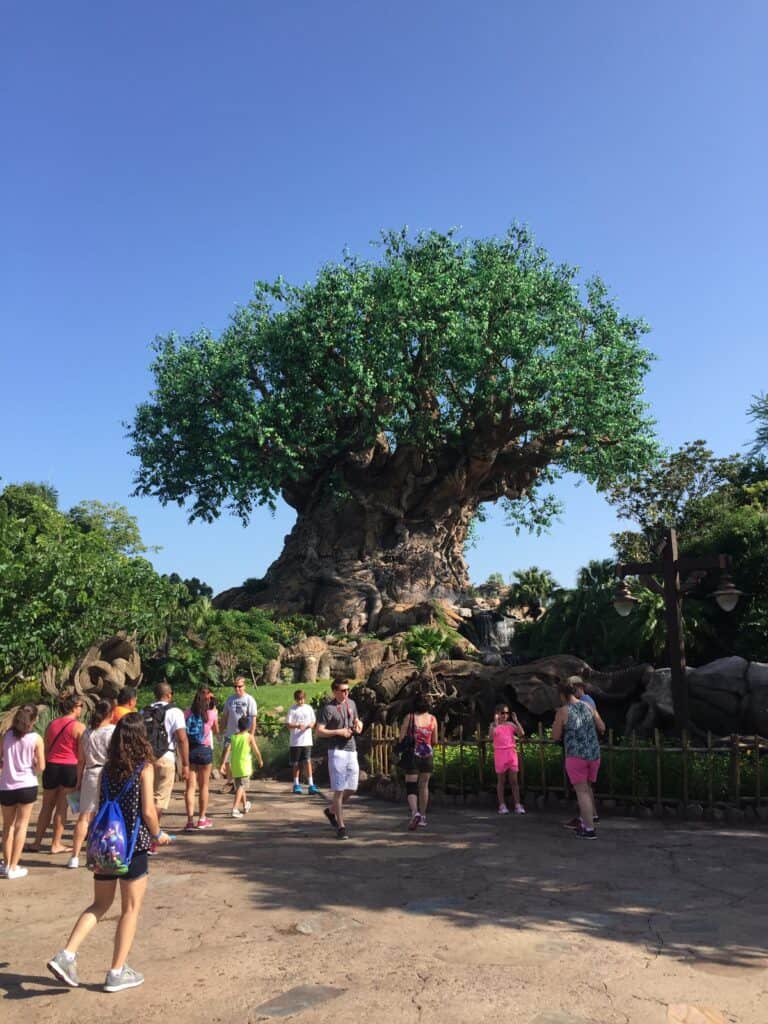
(717, 772)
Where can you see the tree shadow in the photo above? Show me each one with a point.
(689, 892)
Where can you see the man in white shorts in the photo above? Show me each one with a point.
(238, 703)
(338, 722)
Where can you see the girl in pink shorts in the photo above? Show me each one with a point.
(506, 726)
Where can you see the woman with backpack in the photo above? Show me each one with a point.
(62, 740)
(128, 780)
(22, 757)
(202, 721)
(420, 729)
(94, 745)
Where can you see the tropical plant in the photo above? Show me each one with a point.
(426, 644)
(531, 589)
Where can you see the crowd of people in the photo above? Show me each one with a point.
(130, 759)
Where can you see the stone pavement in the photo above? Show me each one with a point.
(475, 919)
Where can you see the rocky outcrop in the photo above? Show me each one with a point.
(727, 696)
(106, 668)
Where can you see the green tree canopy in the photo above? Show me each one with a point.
(440, 343)
(413, 388)
(62, 587)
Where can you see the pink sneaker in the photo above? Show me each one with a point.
(205, 823)
(413, 824)
(190, 826)
(519, 809)
(503, 809)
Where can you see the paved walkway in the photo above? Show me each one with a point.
(477, 919)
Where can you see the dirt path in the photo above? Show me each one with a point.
(476, 919)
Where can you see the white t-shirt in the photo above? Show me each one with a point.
(173, 721)
(234, 709)
(301, 714)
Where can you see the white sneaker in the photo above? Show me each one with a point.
(519, 809)
(73, 862)
(16, 873)
(503, 809)
(237, 814)
(248, 805)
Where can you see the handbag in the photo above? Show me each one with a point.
(404, 748)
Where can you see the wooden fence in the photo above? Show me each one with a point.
(727, 771)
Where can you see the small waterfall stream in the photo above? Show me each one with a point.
(494, 631)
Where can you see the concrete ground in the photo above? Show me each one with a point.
(475, 919)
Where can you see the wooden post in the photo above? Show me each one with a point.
(461, 759)
(442, 751)
(710, 801)
(521, 765)
(674, 619)
(685, 742)
(734, 772)
(657, 740)
(610, 763)
(542, 761)
(758, 771)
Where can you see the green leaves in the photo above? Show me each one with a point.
(473, 347)
(66, 579)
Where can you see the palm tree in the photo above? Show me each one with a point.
(531, 588)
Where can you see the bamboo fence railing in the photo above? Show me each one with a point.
(729, 771)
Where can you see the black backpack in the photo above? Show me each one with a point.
(154, 722)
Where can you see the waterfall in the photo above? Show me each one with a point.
(494, 631)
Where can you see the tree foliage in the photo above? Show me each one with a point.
(718, 506)
(531, 588)
(63, 586)
(482, 350)
(758, 411)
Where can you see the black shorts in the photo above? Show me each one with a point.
(299, 755)
(12, 797)
(200, 756)
(418, 765)
(56, 775)
(139, 867)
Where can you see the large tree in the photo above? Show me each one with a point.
(386, 403)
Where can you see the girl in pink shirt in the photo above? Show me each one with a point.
(21, 759)
(506, 726)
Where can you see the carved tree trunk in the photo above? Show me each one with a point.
(396, 536)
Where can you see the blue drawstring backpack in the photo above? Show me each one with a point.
(110, 849)
(195, 730)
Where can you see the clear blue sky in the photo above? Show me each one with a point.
(158, 158)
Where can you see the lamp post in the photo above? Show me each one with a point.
(673, 569)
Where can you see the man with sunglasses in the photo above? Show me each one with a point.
(338, 722)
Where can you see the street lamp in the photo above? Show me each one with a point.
(671, 567)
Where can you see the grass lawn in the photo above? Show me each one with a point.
(267, 697)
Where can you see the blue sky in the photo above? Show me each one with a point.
(159, 158)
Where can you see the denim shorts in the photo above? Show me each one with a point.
(200, 756)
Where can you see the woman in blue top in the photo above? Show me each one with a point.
(577, 724)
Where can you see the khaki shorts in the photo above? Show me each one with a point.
(165, 776)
